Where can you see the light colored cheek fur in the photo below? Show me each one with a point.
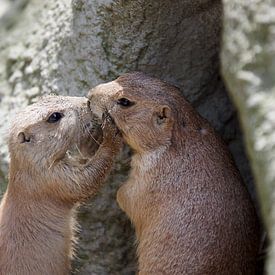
(54, 143)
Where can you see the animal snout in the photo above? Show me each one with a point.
(91, 97)
(24, 137)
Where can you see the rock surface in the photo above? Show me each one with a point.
(249, 68)
(67, 47)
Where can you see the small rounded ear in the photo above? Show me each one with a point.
(163, 114)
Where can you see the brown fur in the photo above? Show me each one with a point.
(37, 210)
(184, 195)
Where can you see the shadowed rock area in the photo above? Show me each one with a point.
(68, 47)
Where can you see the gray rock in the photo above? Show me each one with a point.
(66, 48)
(248, 66)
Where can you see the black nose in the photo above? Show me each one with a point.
(23, 137)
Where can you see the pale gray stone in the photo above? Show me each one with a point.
(248, 59)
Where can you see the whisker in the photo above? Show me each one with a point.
(89, 133)
(51, 165)
(94, 139)
(78, 150)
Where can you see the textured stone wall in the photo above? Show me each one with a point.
(67, 47)
(248, 59)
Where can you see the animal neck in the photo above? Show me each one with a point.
(133, 196)
(39, 230)
(144, 161)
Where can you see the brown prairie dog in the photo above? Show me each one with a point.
(191, 212)
(45, 183)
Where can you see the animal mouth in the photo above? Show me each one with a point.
(74, 154)
(86, 143)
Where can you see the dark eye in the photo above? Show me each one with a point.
(125, 102)
(54, 117)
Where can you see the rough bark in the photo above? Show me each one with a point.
(67, 47)
(248, 66)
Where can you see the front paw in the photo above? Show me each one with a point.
(111, 134)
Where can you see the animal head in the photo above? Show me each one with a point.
(142, 107)
(44, 132)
